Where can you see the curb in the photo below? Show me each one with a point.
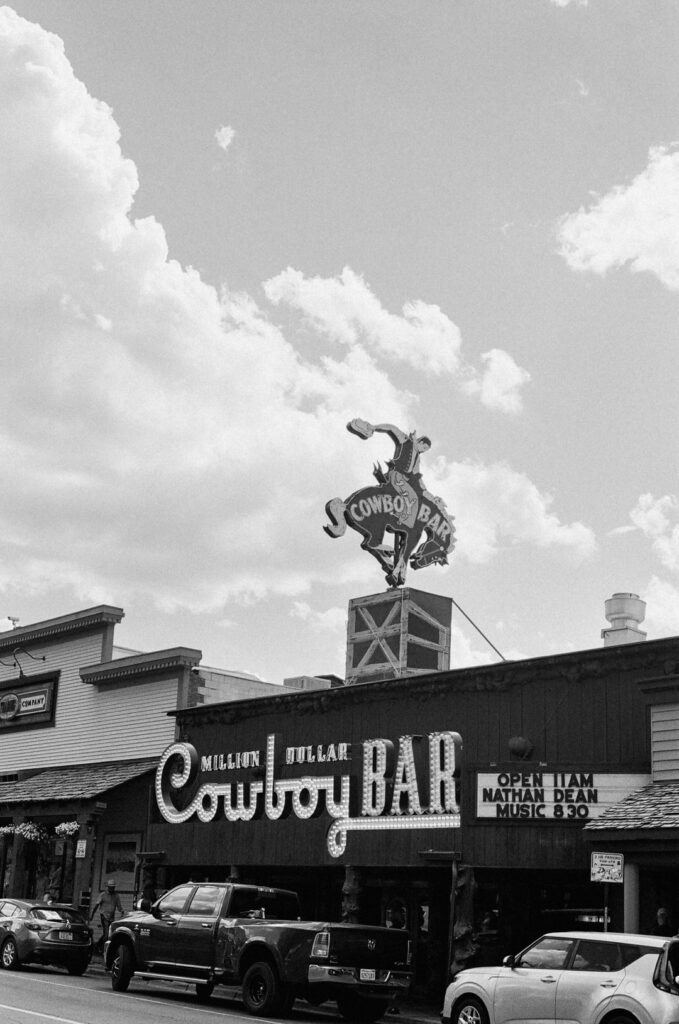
(405, 1015)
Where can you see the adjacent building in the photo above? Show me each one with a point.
(82, 725)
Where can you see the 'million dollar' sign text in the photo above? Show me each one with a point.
(392, 796)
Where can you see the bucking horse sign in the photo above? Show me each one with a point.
(397, 504)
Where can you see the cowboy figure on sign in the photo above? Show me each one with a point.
(399, 504)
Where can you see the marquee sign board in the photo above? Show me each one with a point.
(398, 505)
(407, 785)
(564, 796)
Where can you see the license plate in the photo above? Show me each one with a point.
(367, 974)
(66, 936)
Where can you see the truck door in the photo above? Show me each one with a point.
(158, 934)
(197, 931)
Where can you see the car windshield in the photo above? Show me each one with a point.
(55, 914)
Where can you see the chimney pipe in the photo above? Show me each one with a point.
(624, 612)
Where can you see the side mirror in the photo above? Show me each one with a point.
(156, 911)
(509, 961)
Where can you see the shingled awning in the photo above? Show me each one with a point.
(655, 807)
(78, 782)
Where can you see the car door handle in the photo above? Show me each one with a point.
(609, 984)
(205, 924)
(549, 980)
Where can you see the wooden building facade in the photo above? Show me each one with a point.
(546, 746)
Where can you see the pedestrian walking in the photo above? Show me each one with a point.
(107, 902)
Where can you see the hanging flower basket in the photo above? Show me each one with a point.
(66, 829)
(31, 832)
(6, 830)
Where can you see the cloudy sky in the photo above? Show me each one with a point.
(229, 228)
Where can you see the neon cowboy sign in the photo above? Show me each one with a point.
(392, 796)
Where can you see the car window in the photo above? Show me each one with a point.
(8, 909)
(547, 952)
(206, 900)
(594, 955)
(173, 902)
(672, 966)
(55, 914)
(258, 903)
(630, 952)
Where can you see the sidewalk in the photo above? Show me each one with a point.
(408, 1013)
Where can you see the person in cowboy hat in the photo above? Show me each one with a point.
(107, 902)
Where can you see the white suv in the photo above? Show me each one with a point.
(573, 978)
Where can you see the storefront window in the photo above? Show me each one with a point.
(119, 861)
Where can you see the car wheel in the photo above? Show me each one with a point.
(621, 1018)
(204, 990)
(469, 1010)
(10, 955)
(78, 967)
(122, 968)
(262, 991)
(356, 1008)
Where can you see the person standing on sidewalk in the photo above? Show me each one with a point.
(107, 902)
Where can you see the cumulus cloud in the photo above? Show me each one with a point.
(168, 442)
(654, 517)
(333, 619)
(345, 309)
(501, 507)
(662, 607)
(225, 136)
(500, 384)
(635, 224)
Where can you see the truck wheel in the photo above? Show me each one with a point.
(469, 1010)
(204, 990)
(357, 1008)
(262, 992)
(121, 969)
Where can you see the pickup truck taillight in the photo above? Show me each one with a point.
(321, 946)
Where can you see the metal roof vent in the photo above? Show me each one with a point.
(624, 612)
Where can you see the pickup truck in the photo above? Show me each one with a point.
(213, 933)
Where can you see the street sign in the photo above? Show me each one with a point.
(607, 867)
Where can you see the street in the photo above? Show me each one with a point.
(36, 995)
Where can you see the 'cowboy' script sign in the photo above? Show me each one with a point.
(398, 504)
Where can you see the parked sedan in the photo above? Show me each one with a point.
(579, 977)
(43, 933)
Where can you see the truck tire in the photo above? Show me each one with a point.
(357, 1008)
(263, 993)
(122, 968)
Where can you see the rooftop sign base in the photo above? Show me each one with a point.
(398, 633)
